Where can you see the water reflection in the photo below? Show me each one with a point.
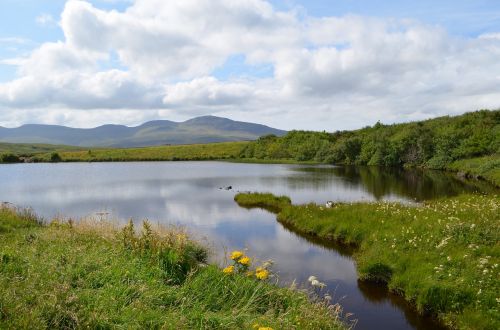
(384, 183)
(188, 193)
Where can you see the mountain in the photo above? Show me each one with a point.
(204, 129)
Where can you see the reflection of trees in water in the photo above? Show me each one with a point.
(386, 181)
(300, 181)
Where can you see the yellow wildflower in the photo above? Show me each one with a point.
(235, 255)
(228, 270)
(245, 261)
(261, 273)
(265, 328)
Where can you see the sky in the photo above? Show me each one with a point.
(317, 64)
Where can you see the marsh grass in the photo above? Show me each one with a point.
(487, 168)
(97, 274)
(210, 151)
(442, 255)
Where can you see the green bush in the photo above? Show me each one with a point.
(9, 158)
(55, 157)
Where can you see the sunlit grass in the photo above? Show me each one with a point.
(442, 255)
(212, 151)
(98, 274)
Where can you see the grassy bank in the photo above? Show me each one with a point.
(96, 275)
(442, 256)
(486, 168)
(224, 150)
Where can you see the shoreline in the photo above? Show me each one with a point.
(413, 265)
(463, 169)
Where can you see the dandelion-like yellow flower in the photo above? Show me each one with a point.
(235, 255)
(245, 261)
(228, 270)
(261, 273)
(265, 328)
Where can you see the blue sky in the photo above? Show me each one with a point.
(380, 60)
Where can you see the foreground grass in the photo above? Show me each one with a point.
(94, 275)
(442, 255)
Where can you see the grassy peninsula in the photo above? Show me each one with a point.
(442, 255)
(92, 274)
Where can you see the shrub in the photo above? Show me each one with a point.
(55, 157)
(9, 158)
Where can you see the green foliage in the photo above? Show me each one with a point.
(487, 168)
(9, 158)
(55, 157)
(432, 143)
(442, 255)
(12, 218)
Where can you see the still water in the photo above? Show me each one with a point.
(189, 194)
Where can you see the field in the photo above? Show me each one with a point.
(442, 256)
(93, 274)
(26, 149)
(223, 150)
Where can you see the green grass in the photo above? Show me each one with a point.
(96, 275)
(25, 149)
(487, 168)
(442, 255)
(224, 150)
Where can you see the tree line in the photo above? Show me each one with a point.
(431, 143)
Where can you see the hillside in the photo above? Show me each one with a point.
(434, 143)
(205, 129)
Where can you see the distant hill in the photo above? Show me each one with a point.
(204, 129)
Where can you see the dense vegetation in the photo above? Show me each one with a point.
(434, 143)
(95, 275)
(442, 255)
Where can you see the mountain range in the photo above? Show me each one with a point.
(204, 129)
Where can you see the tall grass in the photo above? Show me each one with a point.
(212, 151)
(442, 255)
(487, 168)
(96, 274)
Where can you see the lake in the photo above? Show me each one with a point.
(189, 194)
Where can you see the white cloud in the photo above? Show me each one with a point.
(329, 73)
(46, 20)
